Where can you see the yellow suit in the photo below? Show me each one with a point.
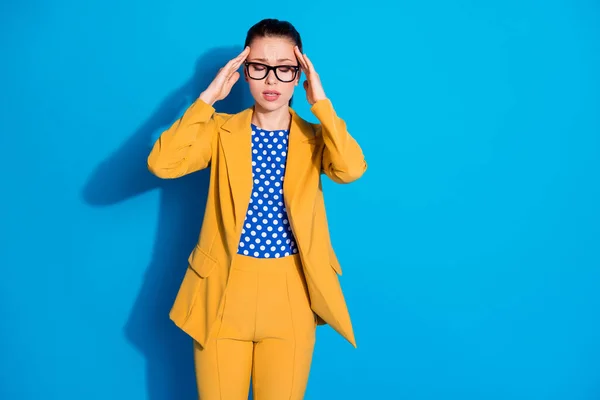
(202, 137)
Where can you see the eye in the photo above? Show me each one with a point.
(285, 69)
(258, 67)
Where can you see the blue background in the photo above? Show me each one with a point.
(470, 246)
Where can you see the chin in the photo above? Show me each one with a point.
(283, 101)
(272, 105)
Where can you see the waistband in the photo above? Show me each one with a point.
(249, 263)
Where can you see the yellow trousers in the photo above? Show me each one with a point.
(265, 333)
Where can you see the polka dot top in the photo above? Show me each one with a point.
(267, 232)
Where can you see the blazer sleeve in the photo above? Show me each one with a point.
(343, 159)
(186, 146)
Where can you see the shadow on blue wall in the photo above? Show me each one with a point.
(168, 351)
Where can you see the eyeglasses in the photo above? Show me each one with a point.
(258, 71)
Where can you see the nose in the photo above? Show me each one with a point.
(271, 79)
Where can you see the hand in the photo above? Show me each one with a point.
(312, 84)
(228, 75)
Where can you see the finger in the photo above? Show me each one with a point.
(235, 62)
(232, 80)
(242, 57)
(236, 66)
(301, 60)
(226, 71)
(298, 52)
(311, 67)
(244, 52)
(303, 64)
(222, 74)
(232, 72)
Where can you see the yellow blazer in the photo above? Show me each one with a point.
(203, 137)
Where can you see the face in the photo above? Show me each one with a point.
(270, 93)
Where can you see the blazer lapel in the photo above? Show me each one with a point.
(297, 162)
(237, 147)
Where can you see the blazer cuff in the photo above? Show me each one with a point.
(199, 111)
(321, 107)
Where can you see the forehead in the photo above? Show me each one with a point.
(272, 49)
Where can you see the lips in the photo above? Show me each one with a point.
(271, 95)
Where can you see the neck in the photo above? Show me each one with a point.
(271, 120)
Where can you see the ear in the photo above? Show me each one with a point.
(245, 74)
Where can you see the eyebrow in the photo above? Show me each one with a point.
(265, 60)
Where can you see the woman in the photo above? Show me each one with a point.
(263, 274)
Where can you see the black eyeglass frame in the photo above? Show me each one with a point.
(273, 68)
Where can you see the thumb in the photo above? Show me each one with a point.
(234, 77)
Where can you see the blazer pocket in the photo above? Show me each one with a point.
(201, 262)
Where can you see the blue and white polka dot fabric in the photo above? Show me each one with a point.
(267, 232)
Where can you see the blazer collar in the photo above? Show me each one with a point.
(240, 123)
